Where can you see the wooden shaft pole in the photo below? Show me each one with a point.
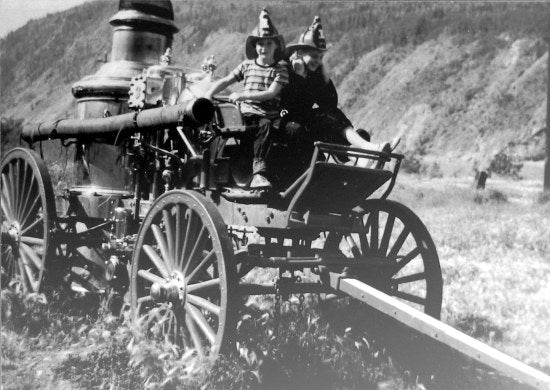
(439, 332)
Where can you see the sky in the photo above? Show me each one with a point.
(15, 13)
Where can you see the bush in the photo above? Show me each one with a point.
(505, 165)
(432, 170)
(10, 130)
(411, 164)
(492, 196)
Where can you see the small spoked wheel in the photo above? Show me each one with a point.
(401, 257)
(182, 275)
(28, 212)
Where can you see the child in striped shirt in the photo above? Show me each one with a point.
(264, 78)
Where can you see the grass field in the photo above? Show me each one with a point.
(494, 248)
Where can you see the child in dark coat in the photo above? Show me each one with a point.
(311, 100)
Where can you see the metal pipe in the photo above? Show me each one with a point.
(198, 111)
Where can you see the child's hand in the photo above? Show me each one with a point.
(298, 64)
(236, 97)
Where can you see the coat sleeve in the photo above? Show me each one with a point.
(294, 97)
(327, 97)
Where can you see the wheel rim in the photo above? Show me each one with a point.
(181, 278)
(28, 210)
(391, 236)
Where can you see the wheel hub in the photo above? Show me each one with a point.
(172, 290)
(13, 235)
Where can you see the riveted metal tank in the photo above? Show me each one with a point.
(142, 31)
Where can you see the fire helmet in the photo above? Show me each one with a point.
(264, 30)
(313, 38)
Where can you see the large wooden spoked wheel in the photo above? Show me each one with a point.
(28, 213)
(182, 276)
(402, 256)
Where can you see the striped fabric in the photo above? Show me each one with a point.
(259, 78)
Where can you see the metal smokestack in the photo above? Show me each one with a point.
(142, 30)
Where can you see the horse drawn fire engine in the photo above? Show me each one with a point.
(158, 209)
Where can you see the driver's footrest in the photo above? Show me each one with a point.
(249, 196)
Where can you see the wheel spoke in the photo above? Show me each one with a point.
(198, 317)
(8, 261)
(13, 186)
(364, 241)
(30, 210)
(410, 278)
(163, 247)
(32, 240)
(157, 261)
(398, 244)
(22, 192)
(22, 272)
(409, 297)
(195, 337)
(30, 276)
(407, 259)
(32, 225)
(33, 256)
(387, 234)
(209, 258)
(200, 238)
(5, 209)
(207, 285)
(169, 231)
(6, 190)
(373, 223)
(26, 195)
(178, 242)
(24, 203)
(204, 304)
(190, 217)
(170, 318)
(17, 184)
(144, 299)
(23, 184)
(353, 246)
(150, 276)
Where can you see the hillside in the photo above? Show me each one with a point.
(462, 80)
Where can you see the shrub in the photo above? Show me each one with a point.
(493, 196)
(432, 170)
(411, 164)
(479, 327)
(505, 165)
(544, 197)
(10, 130)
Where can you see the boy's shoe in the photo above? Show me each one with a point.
(259, 181)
